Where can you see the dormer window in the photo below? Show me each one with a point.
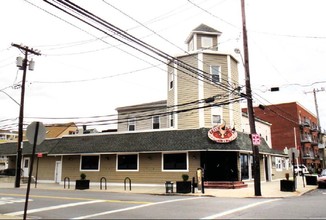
(206, 42)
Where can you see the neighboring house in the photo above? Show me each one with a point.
(197, 127)
(52, 131)
(6, 136)
(263, 128)
(278, 163)
(59, 130)
(294, 126)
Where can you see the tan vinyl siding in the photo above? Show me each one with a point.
(187, 92)
(150, 169)
(171, 92)
(212, 89)
(236, 106)
(46, 167)
(143, 119)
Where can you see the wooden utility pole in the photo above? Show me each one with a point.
(26, 51)
(255, 149)
(317, 115)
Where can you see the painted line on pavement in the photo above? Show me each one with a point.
(72, 198)
(239, 209)
(55, 207)
(134, 207)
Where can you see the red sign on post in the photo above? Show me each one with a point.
(255, 139)
(39, 155)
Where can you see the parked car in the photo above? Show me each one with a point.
(321, 179)
(300, 169)
(8, 172)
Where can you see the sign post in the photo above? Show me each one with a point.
(35, 134)
(294, 154)
(39, 155)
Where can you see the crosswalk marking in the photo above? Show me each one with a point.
(10, 200)
(55, 207)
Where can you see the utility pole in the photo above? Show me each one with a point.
(22, 66)
(316, 105)
(255, 149)
(317, 114)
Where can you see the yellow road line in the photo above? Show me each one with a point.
(70, 198)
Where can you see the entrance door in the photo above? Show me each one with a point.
(26, 163)
(57, 172)
(219, 166)
(244, 166)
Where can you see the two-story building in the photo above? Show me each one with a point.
(197, 127)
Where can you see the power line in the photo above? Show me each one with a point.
(124, 37)
(148, 113)
(154, 32)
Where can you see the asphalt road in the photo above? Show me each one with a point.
(61, 204)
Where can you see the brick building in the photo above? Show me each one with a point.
(294, 126)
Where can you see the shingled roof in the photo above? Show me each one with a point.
(203, 29)
(151, 141)
(10, 148)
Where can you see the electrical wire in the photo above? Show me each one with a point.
(124, 37)
(168, 41)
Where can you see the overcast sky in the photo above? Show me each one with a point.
(83, 73)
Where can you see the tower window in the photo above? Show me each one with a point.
(215, 72)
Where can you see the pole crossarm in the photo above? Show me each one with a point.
(26, 49)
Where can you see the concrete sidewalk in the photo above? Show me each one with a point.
(268, 189)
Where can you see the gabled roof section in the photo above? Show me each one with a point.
(203, 29)
(57, 130)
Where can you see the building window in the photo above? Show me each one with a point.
(278, 163)
(131, 124)
(206, 42)
(216, 112)
(90, 163)
(171, 78)
(175, 161)
(171, 120)
(215, 72)
(216, 119)
(156, 122)
(127, 162)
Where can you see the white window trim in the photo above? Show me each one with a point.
(117, 158)
(182, 152)
(208, 40)
(99, 163)
(278, 163)
(219, 73)
(171, 79)
(171, 117)
(132, 121)
(159, 121)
